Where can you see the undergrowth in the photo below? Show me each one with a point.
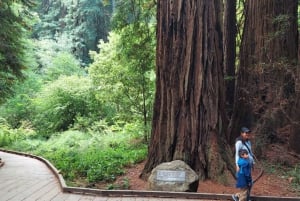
(92, 157)
(290, 173)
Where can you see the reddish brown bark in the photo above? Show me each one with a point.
(189, 110)
(266, 87)
(229, 52)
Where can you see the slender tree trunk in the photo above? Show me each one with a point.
(266, 88)
(189, 102)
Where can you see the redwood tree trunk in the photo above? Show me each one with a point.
(189, 110)
(230, 31)
(266, 89)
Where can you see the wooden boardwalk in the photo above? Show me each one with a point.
(31, 178)
(28, 179)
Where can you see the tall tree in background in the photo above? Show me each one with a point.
(189, 110)
(12, 43)
(85, 22)
(268, 86)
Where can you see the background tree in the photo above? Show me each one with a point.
(13, 15)
(124, 66)
(189, 102)
(135, 22)
(83, 22)
(267, 95)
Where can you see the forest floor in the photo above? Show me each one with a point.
(274, 182)
(270, 184)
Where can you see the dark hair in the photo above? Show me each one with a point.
(243, 151)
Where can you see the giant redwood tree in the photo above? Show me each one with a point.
(267, 95)
(189, 101)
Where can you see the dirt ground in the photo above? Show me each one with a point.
(272, 183)
(267, 185)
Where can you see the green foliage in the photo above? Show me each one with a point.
(282, 24)
(96, 157)
(284, 168)
(48, 50)
(135, 22)
(12, 43)
(106, 70)
(18, 107)
(240, 7)
(63, 64)
(61, 101)
(124, 185)
(131, 12)
(8, 135)
(125, 79)
(82, 22)
(294, 173)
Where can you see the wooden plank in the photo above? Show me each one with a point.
(129, 199)
(74, 197)
(99, 198)
(15, 190)
(28, 191)
(41, 191)
(50, 194)
(7, 186)
(87, 198)
(61, 196)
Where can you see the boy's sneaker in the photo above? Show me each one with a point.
(235, 198)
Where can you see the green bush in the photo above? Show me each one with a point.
(96, 158)
(7, 134)
(63, 64)
(18, 108)
(61, 102)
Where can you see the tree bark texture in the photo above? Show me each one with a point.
(230, 32)
(266, 87)
(189, 110)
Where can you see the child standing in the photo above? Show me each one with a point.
(244, 178)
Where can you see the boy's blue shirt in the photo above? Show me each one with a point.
(244, 178)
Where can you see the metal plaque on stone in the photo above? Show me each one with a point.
(170, 175)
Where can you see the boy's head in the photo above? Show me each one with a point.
(243, 153)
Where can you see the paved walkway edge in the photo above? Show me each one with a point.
(135, 193)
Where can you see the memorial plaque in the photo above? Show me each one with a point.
(170, 175)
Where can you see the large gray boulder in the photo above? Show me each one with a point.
(173, 176)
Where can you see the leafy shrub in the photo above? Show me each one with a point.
(11, 136)
(7, 134)
(19, 107)
(96, 157)
(60, 102)
(63, 64)
(110, 163)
